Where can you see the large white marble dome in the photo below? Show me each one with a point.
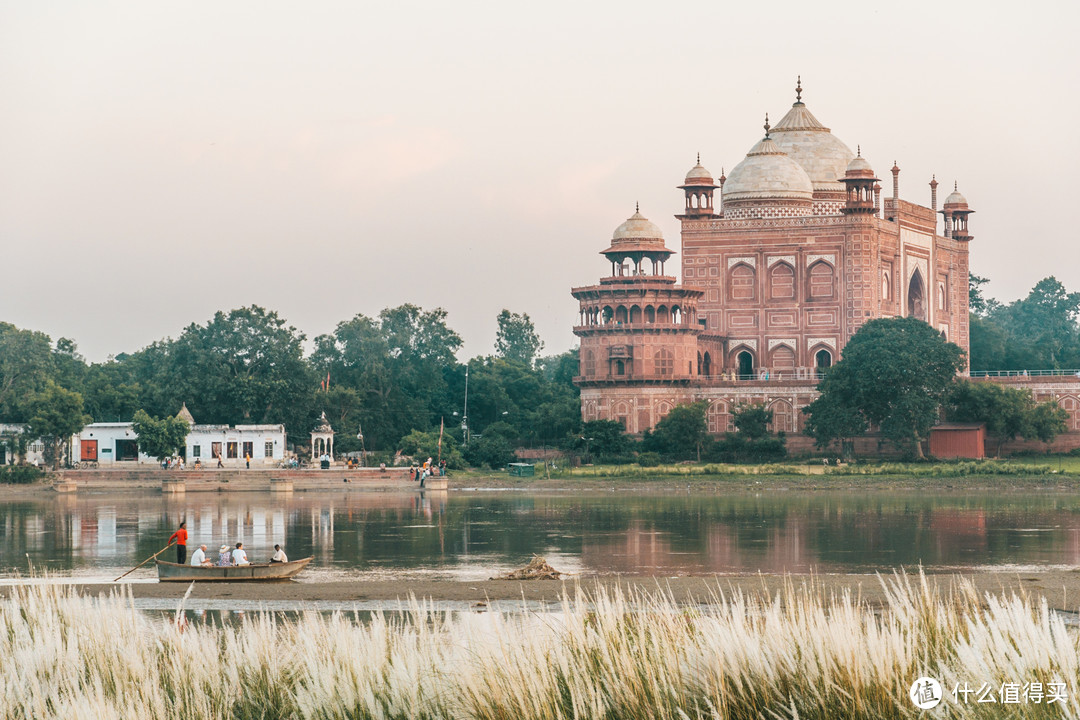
(766, 173)
(821, 154)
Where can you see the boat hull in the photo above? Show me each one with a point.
(171, 572)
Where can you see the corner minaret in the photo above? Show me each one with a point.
(956, 213)
(698, 188)
(860, 183)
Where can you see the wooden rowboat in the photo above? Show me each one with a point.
(172, 572)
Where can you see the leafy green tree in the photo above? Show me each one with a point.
(25, 359)
(682, 434)
(988, 342)
(1006, 411)
(978, 304)
(895, 373)
(830, 418)
(1040, 331)
(160, 438)
(55, 415)
(1048, 420)
(421, 445)
(246, 365)
(602, 438)
(752, 421)
(493, 451)
(516, 338)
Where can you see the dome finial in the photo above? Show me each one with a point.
(955, 189)
(769, 127)
(798, 90)
(699, 158)
(858, 151)
(637, 206)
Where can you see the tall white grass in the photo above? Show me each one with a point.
(799, 654)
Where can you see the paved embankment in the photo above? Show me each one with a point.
(234, 480)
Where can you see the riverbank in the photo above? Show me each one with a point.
(1060, 588)
(1048, 472)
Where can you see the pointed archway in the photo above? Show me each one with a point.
(916, 297)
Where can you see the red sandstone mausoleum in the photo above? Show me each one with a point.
(782, 262)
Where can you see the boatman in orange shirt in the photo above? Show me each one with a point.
(181, 543)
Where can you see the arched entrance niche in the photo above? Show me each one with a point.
(745, 362)
(916, 296)
(822, 361)
(705, 366)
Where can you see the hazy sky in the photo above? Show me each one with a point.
(160, 161)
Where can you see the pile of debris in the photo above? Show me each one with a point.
(537, 569)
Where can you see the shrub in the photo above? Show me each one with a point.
(649, 459)
(20, 474)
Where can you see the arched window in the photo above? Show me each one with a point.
(607, 315)
(1072, 406)
(706, 364)
(821, 280)
(662, 315)
(782, 282)
(916, 296)
(664, 362)
(620, 315)
(783, 360)
(822, 361)
(886, 287)
(635, 314)
(718, 418)
(783, 418)
(741, 284)
(942, 298)
(619, 367)
(676, 315)
(621, 414)
(745, 362)
(662, 410)
(650, 314)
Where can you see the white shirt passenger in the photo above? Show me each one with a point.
(280, 557)
(239, 557)
(198, 557)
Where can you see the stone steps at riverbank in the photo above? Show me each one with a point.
(239, 480)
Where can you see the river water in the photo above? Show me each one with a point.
(473, 535)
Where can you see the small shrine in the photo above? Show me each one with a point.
(322, 439)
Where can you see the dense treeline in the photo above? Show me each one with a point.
(1038, 332)
(389, 375)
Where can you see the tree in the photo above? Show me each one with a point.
(895, 373)
(24, 368)
(516, 338)
(830, 418)
(977, 303)
(160, 438)
(605, 438)
(422, 445)
(246, 365)
(55, 415)
(682, 433)
(752, 421)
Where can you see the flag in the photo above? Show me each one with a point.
(442, 425)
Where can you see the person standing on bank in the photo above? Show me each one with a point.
(181, 543)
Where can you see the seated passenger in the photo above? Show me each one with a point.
(224, 556)
(279, 555)
(198, 558)
(239, 555)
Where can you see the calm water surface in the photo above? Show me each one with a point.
(472, 535)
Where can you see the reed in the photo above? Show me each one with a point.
(798, 654)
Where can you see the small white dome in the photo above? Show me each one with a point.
(767, 172)
(955, 198)
(698, 175)
(638, 227)
(859, 164)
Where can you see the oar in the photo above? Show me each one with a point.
(144, 562)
